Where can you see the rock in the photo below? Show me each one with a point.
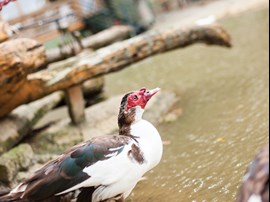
(3, 189)
(56, 138)
(17, 159)
(173, 115)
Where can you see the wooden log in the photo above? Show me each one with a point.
(5, 31)
(19, 123)
(110, 59)
(101, 39)
(108, 36)
(18, 58)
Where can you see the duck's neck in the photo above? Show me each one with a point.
(127, 118)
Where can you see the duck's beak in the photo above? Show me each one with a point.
(148, 94)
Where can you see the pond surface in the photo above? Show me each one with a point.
(224, 97)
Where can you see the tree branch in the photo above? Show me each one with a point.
(110, 59)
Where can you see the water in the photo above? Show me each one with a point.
(224, 98)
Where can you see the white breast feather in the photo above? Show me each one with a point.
(255, 198)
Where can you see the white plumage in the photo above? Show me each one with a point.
(120, 173)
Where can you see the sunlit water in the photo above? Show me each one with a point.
(224, 97)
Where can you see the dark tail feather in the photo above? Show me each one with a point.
(3, 193)
(16, 197)
(86, 194)
(7, 198)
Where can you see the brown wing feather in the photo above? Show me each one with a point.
(66, 171)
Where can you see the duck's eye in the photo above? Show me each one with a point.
(135, 97)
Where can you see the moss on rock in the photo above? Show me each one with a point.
(17, 159)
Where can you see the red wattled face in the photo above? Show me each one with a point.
(140, 98)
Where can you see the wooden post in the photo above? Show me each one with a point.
(75, 102)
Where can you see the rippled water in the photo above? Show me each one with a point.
(224, 98)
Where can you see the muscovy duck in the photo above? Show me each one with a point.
(109, 167)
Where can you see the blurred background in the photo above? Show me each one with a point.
(221, 118)
(42, 19)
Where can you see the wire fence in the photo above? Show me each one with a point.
(47, 22)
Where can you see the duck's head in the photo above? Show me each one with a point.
(139, 98)
(133, 104)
